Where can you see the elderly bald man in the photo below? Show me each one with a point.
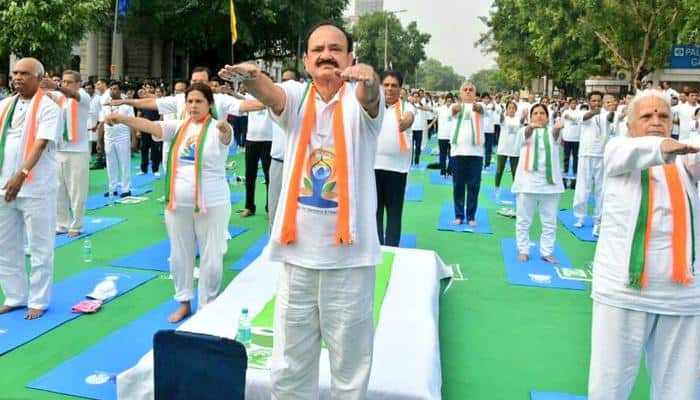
(646, 295)
(29, 124)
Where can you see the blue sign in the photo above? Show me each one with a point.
(685, 56)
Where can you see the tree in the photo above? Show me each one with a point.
(433, 75)
(491, 80)
(406, 46)
(48, 29)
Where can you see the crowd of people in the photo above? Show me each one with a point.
(336, 152)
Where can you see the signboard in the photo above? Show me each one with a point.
(685, 56)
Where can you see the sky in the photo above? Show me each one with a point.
(454, 26)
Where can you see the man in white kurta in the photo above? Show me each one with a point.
(73, 153)
(29, 123)
(329, 249)
(646, 291)
(119, 139)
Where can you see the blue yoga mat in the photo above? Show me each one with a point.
(567, 218)
(97, 201)
(414, 192)
(251, 254)
(447, 215)
(236, 197)
(519, 272)
(155, 257)
(422, 166)
(507, 198)
(91, 225)
(408, 241)
(17, 331)
(535, 395)
(142, 180)
(436, 179)
(112, 355)
(232, 150)
(491, 170)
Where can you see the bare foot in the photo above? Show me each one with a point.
(550, 259)
(472, 223)
(182, 312)
(522, 257)
(7, 309)
(457, 221)
(73, 234)
(34, 313)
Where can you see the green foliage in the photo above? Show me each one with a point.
(491, 80)
(48, 29)
(406, 46)
(433, 75)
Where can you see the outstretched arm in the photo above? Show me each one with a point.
(140, 124)
(259, 85)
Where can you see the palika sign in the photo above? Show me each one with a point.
(685, 56)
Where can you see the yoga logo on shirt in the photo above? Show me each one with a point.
(319, 181)
(189, 148)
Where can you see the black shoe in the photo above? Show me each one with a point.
(97, 166)
(125, 194)
(106, 194)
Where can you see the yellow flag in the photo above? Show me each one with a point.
(234, 31)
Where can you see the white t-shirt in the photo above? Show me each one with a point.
(82, 145)
(389, 155)
(467, 129)
(117, 132)
(95, 108)
(489, 123)
(523, 110)
(572, 127)
(419, 120)
(497, 112)
(510, 139)
(214, 186)
(224, 105)
(536, 181)
(593, 135)
(316, 219)
(445, 122)
(686, 115)
(259, 125)
(45, 179)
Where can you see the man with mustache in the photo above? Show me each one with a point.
(646, 291)
(325, 232)
(29, 126)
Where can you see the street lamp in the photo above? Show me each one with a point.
(386, 35)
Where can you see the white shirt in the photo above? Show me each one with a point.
(686, 115)
(83, 144)
(259, 125)
(497, 112)
(95, 108)
(489, 124)
(45, 179)
(523, 110)
(572, 127)
(510, 139)
(389, 155)
(445, 123)
(419, 121)
(464, 146)
(214, 186)
(536, 181)
(316, 219)
(625, 157)
(594, 135)
(117, 132)
(224, 105)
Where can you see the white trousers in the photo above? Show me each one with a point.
(186, 230)
(73, 182)
(36, 216)
(548, 205)
(118, 154)
(335, 306)
(619, 336)
(590, 172)
(274, 188)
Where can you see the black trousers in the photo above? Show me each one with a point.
(444, 146)
(240, 128)
(254, 152)
(497, 129)
(391, 188)
(570, 151)
(466, 171)
(148, 145)
(417, 142)
(489, 141)
(501, 166)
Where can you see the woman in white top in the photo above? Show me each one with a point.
(538, 183)
(197, 194)
(445, 127)
(509, 144)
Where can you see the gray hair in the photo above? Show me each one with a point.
(468, 83)
(38, 66)
(643, 95)
(75, 74)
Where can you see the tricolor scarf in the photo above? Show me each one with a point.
(475, 124)
(30, 126)
(398, 110)
(681, 208)
(72, 133)
(532, 153)
(171, 169)
(289, 229)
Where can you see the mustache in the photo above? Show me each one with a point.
(327, 62)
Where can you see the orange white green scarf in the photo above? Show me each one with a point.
(475, 120)
(72, 133)
(680, 209)
(289, 229)
(532, 153)
(398, 110)
(31, 125)
(171, 169)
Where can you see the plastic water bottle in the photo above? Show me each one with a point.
(87, 251)
(243, 335)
